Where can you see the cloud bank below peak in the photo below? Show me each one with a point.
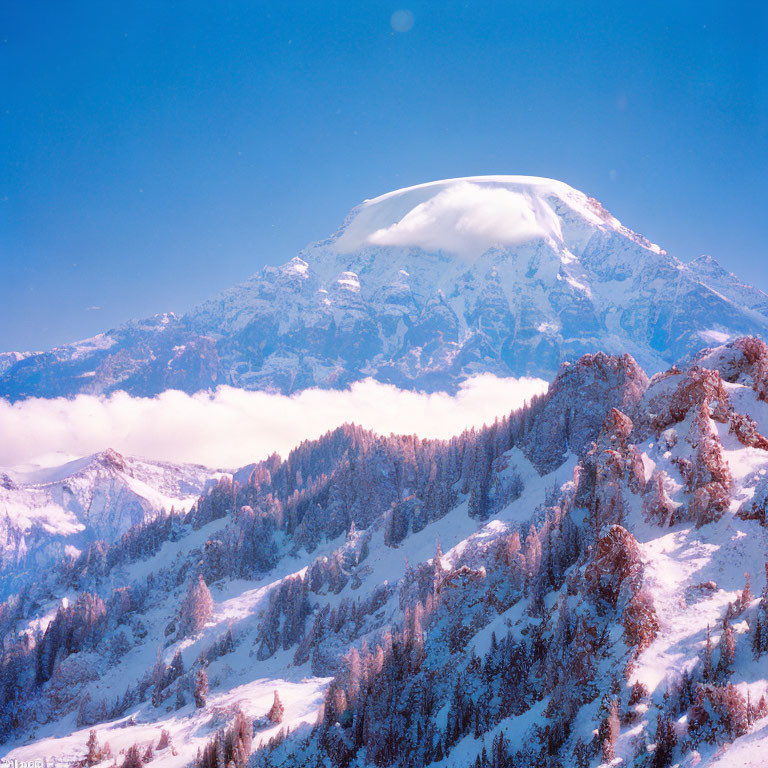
(233, 427)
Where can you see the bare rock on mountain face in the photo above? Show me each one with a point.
(677, 393)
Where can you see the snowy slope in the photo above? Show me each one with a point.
(535, 574)
(422, 287)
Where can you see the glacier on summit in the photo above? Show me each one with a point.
(422, 288)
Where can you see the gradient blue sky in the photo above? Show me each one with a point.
(152, 153)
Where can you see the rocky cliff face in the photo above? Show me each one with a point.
(422, 288)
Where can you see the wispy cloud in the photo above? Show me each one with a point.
(232, 427)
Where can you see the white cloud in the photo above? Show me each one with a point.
(233, 427)
(458, 217)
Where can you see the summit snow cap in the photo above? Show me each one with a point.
(468, 216)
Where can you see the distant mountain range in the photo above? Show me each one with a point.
(53, 511)
(422, 288)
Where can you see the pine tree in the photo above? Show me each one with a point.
(353, 674)
(532, 552)
(706, 672)
(133, 758)
(94, 750)
(241, 739)
(221, 759)
(158, 671)
(416, 637)
(227, 644)
(176, 670)
(197, 607)
(275, 714)
(201, 687)
(727, 652)
(665, 742)
(757, 637)
(580, 754)
(746, 593)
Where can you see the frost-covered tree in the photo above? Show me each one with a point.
(133, 757)
(201, 687)
(176, 668)
(707, 671)
(666, 739)
(610, 732)
(94, 752)
(283, 624)
(230, 747)
(276, 711)
(727, 652)
(164, 741)
(196, 609)
(718, 715)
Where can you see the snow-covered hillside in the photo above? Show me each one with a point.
(423, 287)
(566, 587)
(47, 511)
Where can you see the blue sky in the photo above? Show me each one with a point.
(153, 153)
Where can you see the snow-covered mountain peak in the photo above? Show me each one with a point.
(296, 266)
(424, 287)
(49, 507)
(469, 216)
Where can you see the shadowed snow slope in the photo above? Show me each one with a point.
(422, 288)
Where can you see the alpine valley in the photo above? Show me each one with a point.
(581, 583)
